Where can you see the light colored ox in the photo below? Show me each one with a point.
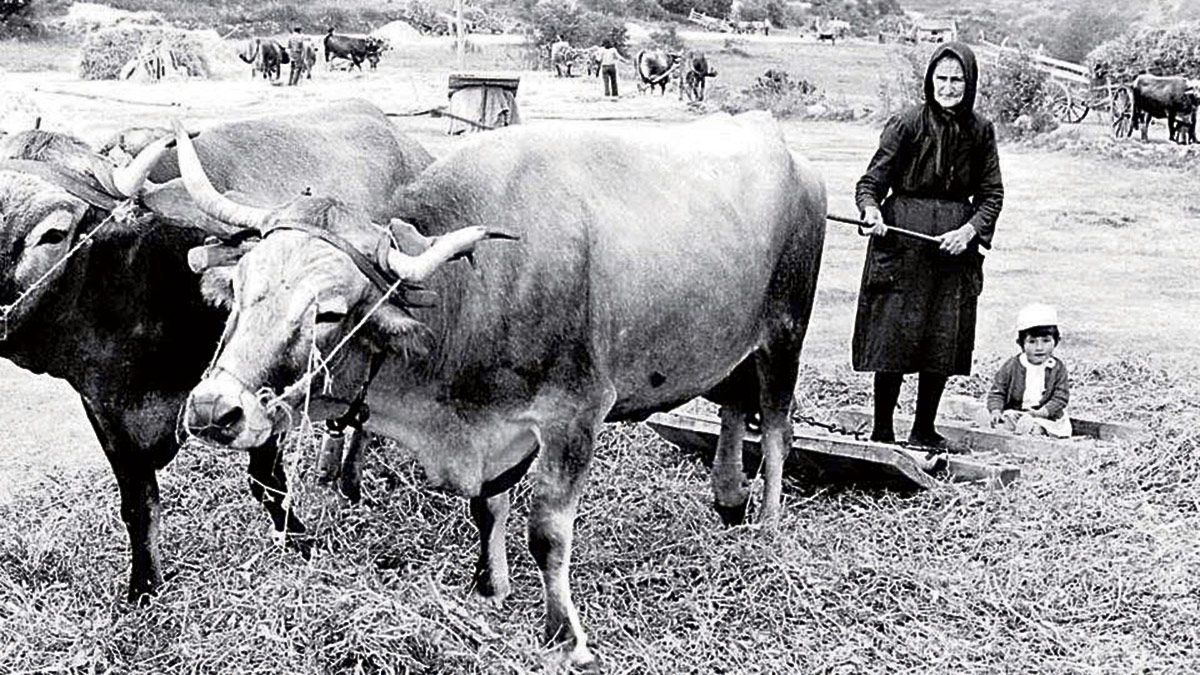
(623, 296)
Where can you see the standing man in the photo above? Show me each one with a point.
(937, 172)
(608, 66)
(295, 49)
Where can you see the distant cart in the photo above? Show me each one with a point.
(1072, 92)
(480, 102)
(710, 23)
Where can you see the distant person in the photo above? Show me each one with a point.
(937, 172)
(1030, 392)
(609, 56)
(295, 48)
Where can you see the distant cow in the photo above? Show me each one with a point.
(654, 68)
(264, 56)
(1173, 98)
(562, 58)
(695, 71)
(354, 49)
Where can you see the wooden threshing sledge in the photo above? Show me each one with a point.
(838, 453)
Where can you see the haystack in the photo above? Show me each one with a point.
(143, 52)
(398, 33)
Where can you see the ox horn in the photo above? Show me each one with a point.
(206, 196)
(129, 179)
(415, 269)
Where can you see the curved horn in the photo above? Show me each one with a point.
(206, 196)
(129, 179)
(415, 269)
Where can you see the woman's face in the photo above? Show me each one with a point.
(948, 82)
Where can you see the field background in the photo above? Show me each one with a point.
(1085, 566)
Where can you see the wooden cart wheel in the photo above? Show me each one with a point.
(1066, 106)
(1121, 109)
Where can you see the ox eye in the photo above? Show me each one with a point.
(52, 237)
(330, 316)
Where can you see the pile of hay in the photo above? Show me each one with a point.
(398, 33)
(125, 51)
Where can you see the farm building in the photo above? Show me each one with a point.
(936, 30)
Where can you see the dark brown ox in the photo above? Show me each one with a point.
(122, 319)
(654, 68)
(265, 56)
(695, 70)
(623, 296)
(1172, 98)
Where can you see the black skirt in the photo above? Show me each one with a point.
(916, 304)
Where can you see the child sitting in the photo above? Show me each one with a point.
(1030, 392)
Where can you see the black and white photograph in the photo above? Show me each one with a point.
(377, 337)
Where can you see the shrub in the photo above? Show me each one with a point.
(549, 20)
(1012, 93)
(667, 39)
(784, 96)
(106, 52)
(1160, 51)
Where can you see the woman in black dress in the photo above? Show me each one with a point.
(937, 172)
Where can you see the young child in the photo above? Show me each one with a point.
(1030, 392)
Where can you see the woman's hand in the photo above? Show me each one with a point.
(1039, 412)
(955, 242)
(872, 217)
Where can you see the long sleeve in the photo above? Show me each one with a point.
(1060, 394)
(998, 394)
(880, 176)
(989, 196)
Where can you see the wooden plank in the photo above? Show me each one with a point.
(972, 438)
(965, 470)
(966, 408)
(826, 457)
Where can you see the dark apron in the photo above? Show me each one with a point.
(916, 305)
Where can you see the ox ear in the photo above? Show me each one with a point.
(394, 330)
(216, 286)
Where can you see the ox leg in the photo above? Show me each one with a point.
(730, 491)
(350, 479)
(134, 468)
(268, 484)
(491, 570)
(777, 372)
(566, 455)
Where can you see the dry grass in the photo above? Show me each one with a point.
(1080, 567)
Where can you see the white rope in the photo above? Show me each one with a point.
(121, 212)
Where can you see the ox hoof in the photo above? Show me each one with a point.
(576, 660)
(351, 488)
(300, 543)
(731, 516)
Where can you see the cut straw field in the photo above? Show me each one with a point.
(1085, 566)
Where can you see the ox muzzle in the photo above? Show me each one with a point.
(221, 410)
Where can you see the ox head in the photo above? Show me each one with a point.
(309, 301)
(54, 190)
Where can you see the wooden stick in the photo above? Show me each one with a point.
(898, 230)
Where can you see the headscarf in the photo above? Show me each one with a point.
(945, 124)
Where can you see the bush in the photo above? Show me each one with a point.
(1012, 93)
(667, 39)
(784, 96)
(106, 52)
(1159, 51)
(549, 20)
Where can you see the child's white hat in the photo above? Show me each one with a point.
(1036, 314)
